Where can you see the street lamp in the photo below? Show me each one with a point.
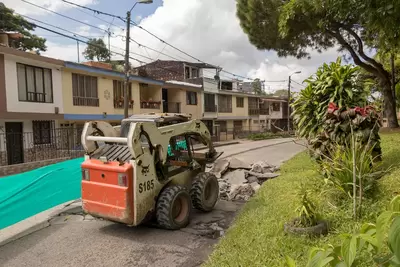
(127, 43)
(290, 80)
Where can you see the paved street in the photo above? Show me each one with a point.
(73, 240)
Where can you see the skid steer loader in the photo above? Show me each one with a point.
(146, 169)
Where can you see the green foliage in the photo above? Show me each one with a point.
(257, 87)
(296, 27)
(10, 22)
(339, 168)
(97, 49)
(371, 238)
(306, 211)
(333, 83)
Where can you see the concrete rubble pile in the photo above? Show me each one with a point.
(239, 180)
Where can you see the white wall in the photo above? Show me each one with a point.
(210, 85)
(13, 104)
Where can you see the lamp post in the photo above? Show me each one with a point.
(127, 43)
(290, 80)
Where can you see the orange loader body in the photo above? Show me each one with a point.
(107, 190)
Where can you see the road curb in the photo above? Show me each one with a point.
(219, 145)
(252, 149)
(32, 224)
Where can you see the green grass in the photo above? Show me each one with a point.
(257, 237)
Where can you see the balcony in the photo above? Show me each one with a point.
(264, 111)
(86, 101)
(119, 103)
(225, 109)
(210, 108)
(254, 111)
(172, 107)
(150, 104)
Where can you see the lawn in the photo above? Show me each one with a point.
(257, 237)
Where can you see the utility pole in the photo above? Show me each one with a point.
(288, 108)
(77, 48)
(127, 67)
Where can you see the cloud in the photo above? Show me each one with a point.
(54, 5)
(208, 30)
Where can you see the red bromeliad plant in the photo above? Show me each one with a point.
(340, 125)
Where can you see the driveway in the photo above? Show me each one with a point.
(75, 240)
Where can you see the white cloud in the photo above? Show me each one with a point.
(208, 30)
(54, 5)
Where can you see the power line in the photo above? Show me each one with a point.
(298, 83)
(95, 11)
(82, 22)
(155, 36)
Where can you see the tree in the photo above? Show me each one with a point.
(292, 27)
(281, 93)
(10, 22)
(257, 87)
(97, 49)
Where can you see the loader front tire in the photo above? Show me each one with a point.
(204, 191)
(173, 208)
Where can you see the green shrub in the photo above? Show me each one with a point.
(333, 83)
(268, 135)
(306, 211)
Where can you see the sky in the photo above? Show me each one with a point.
(205, 29)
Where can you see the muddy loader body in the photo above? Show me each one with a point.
(147, 168)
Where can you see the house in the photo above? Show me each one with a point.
(273, 112)
(31, 103)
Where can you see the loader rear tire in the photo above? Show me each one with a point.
(205, 191)
(173, 208)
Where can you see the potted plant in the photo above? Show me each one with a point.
(308, 221)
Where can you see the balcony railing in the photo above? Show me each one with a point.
(254, 111)
(225, 109)
(264, 111)
(210, 108)
(150, 105)
(120, 104)
(86, 101)
(36, 97)
(172, 107)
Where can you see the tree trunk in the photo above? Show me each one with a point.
(389, 104)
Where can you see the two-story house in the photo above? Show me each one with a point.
(30, 102)
(273, 112)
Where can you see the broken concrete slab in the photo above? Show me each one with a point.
(235, 177)
(262, 167)
(252, 179)
(235, 163)
(263, 175)
(242, 192)
(220, 167)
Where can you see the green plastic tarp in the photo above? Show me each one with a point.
(26, 194)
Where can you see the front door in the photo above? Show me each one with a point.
(165, 100)
(14, 139)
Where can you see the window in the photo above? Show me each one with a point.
(119, 93)
(276, 106)
(225, 103)
(34, 84)
(255, 121)
(209, 103)
(187, 72)
(191, 98)
(239, 102)
(42, 132)
(195, 73)
(84, 90)
(222, 126)
(238, 125)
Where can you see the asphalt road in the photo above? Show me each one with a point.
(75, 240)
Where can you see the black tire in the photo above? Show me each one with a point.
(173, 208)
(204, 191)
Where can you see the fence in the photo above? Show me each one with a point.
(45, 144)
(226, 134)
